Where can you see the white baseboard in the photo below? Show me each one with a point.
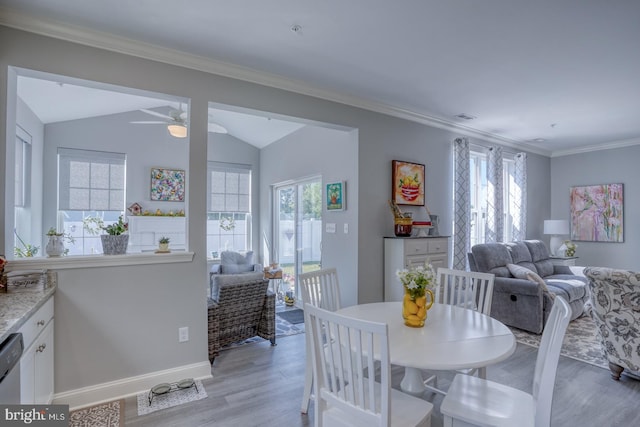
(120, 389)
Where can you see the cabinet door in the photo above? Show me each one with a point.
(412, 261)
(439, 261)
(28, 376)
(43, 366)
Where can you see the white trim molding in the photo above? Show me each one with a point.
(604, 146)
(106, 392)
(87, 261)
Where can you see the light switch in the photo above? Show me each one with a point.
(330, 227)
(346, 228)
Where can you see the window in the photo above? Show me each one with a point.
(22, 187)
(478, 196)
(91, 184)
(228, 208)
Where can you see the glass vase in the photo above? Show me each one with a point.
(415, 306)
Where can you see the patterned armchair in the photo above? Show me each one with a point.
(240, 308)
(615, 308)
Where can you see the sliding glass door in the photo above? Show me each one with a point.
(298, 230)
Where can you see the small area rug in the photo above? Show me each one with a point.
(169, 400)
(295, 316)
(109, 414)
(580, 342)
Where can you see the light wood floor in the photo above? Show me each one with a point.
(260, 385)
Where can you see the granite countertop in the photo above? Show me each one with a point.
(17, 305)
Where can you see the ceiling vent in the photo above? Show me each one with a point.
(465, 116)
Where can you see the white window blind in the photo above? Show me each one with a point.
(91, 180)
(229, 188)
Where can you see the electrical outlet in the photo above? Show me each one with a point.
(346, 228)
(183, 334)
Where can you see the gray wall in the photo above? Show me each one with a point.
(332, 154)
(123, 316)
(618, 165)
(145, 146)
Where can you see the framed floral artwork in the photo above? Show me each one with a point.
(336, 196)
(167, 185)
(407, 183)
(597, 213)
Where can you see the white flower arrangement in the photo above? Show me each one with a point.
(417, 279)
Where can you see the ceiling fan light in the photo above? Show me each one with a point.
(178, 131)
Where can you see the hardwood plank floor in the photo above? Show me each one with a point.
(260, 385)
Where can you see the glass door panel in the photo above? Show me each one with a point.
(298, 231)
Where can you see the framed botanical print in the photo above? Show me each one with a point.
(167, 185)
(336, 196)
(407, 183)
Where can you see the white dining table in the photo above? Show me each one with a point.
(452, 338)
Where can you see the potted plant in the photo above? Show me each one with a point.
(163, 244)
(116, 240)
(55, 245)
(27, 250)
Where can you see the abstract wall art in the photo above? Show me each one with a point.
(597, 213)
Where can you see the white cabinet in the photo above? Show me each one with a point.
(410, 252)
(145, 231)
(36, 364)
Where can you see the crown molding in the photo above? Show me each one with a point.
(604, 146)
(114, 43)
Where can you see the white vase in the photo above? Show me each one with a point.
(163, 247)
(55, 246)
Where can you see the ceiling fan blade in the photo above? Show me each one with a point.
(216, 128)
(153, 113)
(149, 123)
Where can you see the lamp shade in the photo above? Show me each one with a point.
(556, 226)
(178, 131)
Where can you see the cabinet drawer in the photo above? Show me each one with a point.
(416, 247)
(437, 245)
(37, 322)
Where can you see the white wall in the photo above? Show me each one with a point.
(618, 165)
(127, 298)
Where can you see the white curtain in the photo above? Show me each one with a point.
(518, 198)
(461, 203)
(495, 212)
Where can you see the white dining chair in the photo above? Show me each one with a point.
(346, 397)
(467, 289)
(319, 288)
(477, 401)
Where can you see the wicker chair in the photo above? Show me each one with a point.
(240, 307)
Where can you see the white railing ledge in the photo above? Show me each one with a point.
(89, 261)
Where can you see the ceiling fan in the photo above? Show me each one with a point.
(176, 122)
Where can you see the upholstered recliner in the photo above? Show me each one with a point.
(233, 263)
(615, 308)
(520, 299)
(240, 308)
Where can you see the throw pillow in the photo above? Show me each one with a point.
(534, 277)
(236, 268)
(519, 272)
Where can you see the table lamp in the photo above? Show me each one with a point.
(556, 228)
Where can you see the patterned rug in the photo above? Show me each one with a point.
(110, 414)
(169, 400)
(580, 342)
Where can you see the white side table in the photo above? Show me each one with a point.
(569, 261)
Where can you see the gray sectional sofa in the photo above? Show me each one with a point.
(523, 302)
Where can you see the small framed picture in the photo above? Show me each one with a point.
(167, 185)
(407, 183)
(336, 196)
